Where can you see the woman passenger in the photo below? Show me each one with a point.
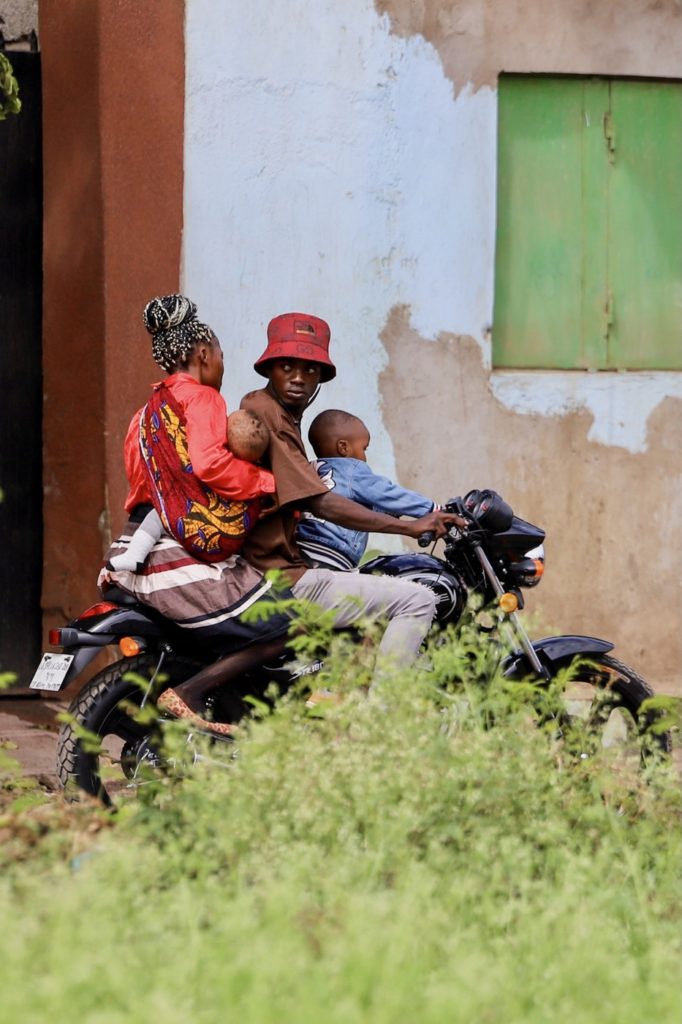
(203, 585)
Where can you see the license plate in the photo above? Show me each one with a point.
(51, 672)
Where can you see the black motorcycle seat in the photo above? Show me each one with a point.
(118, 596)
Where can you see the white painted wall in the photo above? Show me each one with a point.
(330, 168)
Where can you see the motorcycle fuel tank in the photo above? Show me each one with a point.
(451, 594)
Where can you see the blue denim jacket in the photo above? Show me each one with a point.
(335, 546)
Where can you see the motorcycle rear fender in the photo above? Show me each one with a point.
(558, 651)
(82, 659)
(85, 644)
(122, 622)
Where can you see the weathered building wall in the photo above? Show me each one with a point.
(113, 114)
(342, 159)
(477, 39)
(20, 18)
(593, 457)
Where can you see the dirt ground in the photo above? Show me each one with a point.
(28, 733)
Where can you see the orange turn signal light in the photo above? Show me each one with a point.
(508, 602)
(539, 566)
(130, 646)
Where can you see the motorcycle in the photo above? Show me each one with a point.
(488, 563)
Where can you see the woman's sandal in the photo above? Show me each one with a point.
(173, 703)
(324, 698)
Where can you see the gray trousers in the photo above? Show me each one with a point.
(409, 607)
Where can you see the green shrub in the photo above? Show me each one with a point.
(406, 856)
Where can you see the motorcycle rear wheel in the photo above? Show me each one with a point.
(100, 763)
(603, 711)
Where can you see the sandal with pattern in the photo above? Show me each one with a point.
(172, 702)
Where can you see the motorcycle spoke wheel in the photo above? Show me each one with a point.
(119, 738)
(603, 715)
(103, 751)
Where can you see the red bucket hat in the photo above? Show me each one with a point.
(298, 336)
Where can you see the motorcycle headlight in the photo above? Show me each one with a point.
(489, 509)
(527, 571)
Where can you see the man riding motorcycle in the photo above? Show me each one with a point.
(295, 362)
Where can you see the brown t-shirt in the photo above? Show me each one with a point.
(271, 544)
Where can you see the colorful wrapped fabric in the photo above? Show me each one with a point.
(209, 527)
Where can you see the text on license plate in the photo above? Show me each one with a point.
(51, 672)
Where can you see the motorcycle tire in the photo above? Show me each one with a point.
(606, 696)
(99, 710)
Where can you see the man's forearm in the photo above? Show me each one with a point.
(350, 514)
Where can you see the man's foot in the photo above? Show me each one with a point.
(172, 702)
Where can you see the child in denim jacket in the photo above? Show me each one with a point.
(340, 441)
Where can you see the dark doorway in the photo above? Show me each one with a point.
(21, 510)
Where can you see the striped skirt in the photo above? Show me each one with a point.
(206, 598)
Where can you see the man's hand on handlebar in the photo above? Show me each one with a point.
(435, 523)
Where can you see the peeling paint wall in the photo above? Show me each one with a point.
(612, 516)
(476, 39)
(314, 180)
(341, 159)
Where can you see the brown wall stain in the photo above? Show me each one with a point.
(477, 39)
(613, 518)
(113, 110)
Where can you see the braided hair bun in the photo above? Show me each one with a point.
(167, 311)
(172, 322)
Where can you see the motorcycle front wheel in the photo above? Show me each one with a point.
(102, 749)
(603, 710)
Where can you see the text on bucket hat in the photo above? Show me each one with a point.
(298, 336)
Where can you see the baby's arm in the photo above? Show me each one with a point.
(141, 543)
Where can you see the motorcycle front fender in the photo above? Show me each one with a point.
(556, 652)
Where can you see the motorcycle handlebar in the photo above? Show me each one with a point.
(485, 510)
(454, 506)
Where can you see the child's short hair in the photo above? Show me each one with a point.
(330, 426)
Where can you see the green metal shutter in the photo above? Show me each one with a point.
(645, 231)
(588, 267)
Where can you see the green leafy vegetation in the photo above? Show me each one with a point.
(412, 854)
(9, 89)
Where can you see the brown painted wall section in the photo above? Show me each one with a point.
(613, 518)
(113, 108)
(477, 39)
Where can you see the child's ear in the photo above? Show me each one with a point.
(342, 448)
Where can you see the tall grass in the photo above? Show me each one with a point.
(401, 858)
